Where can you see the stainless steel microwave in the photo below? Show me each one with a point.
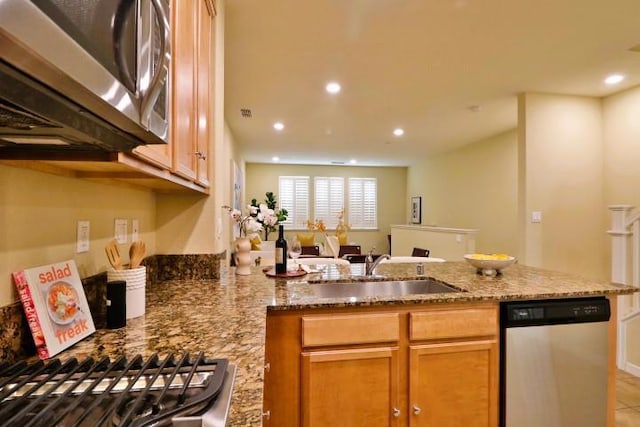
(84, 74)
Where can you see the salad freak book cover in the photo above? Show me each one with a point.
(55, 305)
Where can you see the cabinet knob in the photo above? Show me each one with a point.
(267, 367)
(200, 155)
(416, 410)
(396, 412)
(266, 414)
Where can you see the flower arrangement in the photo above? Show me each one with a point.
(342, 227)
(266, 213)
(248, 224)
(318, 225)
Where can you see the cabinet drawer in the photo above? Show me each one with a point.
(439, 324)
(350, 329)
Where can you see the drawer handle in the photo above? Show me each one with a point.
(396, 412)
(416, 410)
(200, 155)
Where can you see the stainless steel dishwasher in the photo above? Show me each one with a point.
(554, 363)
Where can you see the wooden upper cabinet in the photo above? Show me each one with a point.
(184, 79)
(204, 100)
(192, 106)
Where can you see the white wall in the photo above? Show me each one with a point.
(562, 176)
(472, 187)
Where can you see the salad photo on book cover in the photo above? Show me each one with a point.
(55, 306)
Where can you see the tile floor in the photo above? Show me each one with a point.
(627, 400)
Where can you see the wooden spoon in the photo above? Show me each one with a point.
(113, 254)
(137, 252)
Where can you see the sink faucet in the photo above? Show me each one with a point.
(370, 264)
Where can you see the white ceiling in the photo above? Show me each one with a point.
(415, 64)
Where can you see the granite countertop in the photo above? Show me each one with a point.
(226, 318)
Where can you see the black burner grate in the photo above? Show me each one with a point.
(122, 392)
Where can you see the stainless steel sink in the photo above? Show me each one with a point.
(379, 288)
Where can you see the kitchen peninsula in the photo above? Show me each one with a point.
(229, 318)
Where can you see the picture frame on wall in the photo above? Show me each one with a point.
(416, 210)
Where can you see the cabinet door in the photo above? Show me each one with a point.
(354, 387)
(203, 97)
(184, 78)
(454, 384)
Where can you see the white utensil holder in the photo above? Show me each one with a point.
(136, 279)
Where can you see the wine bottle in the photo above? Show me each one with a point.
(281, 252)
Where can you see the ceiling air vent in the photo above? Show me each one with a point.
(246, 113)
(334, 162)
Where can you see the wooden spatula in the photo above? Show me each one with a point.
(137, 251)
(113, 254)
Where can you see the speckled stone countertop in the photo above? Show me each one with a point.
(226, 318)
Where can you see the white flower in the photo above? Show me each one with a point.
(251, 226)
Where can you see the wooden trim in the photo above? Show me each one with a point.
(350, 329)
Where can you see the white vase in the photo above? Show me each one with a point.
(242, 256)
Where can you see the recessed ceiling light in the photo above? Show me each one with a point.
(614, 79)
(275, 158)
(398, 131)
(333, 87)
(278, 126)
(353, 161)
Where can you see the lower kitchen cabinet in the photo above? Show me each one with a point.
(350, 387)
(453, 384)
(422, 365)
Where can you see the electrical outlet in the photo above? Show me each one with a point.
(120, 231)
(135, 227)
(82, 237)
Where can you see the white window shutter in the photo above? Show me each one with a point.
(328, 199)
(294, 197)
(363, 203)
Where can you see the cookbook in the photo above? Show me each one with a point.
(55, 306)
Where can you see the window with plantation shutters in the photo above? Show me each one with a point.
(363, 203)
(294, 197)
(328, 199)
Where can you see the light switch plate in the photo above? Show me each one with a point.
(135, 227)
(121, 230)
(83, 236)
(536, 217)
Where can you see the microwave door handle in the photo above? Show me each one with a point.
(150, 97)
(120, 54)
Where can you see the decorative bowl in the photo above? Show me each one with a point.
(489, 264)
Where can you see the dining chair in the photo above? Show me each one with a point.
(349, 249)
(420, 252)
(311, 250)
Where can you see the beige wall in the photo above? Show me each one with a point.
(562, 168)
(38, 220)
(392, 199)
(472, 187)
(621, 114)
